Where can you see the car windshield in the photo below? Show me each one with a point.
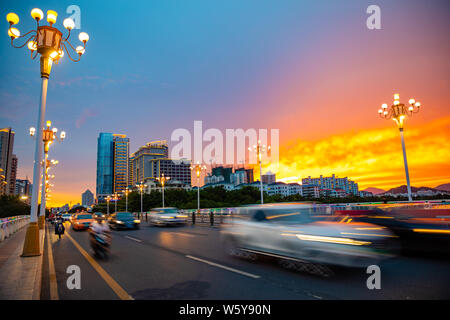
(84, 216)
(124, 215)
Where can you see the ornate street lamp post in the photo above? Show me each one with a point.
(116, 197)
(108, 198)
(198, 168)
(141, 187)
(127, 191)
(48, 136)
(398, 112)
(50, 43)
(259, 149)
(162, 179)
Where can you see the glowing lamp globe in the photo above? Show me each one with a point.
(14, 33)
(32, 45)
(69, 24)
(37, 14)
(84, 37)
(80, 50)
(12, 18)
(51, 16)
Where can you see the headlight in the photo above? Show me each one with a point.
(118, 221)
(137, 221)
(167, 217)
(182, 216)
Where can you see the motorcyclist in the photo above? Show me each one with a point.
(59, 226)
(100, 229)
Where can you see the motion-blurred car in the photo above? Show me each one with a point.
(66, 216)
(99, 215)
(167, 217)
(82, 221)
(123, 220)
(419, 230)
(293, 234)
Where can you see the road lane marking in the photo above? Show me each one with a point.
(134, 239)
(51, 269)
(254, 276)
(121, 293)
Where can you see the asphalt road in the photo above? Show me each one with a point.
(190, 263)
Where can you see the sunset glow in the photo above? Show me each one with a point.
(373, 158)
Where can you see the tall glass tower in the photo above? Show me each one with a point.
(105, 165)
(112, 164)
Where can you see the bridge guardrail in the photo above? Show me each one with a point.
(10, 225)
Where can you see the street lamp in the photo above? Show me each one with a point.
(127, 191)
(116, 197)
(50, 43)
(162, 179)
(198, 168)
(141, 187)
(108, 198)
(48, 136)
(259, 149)
(398, 112)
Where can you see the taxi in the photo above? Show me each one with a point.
(82, 221)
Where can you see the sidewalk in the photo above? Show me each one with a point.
(20, 278)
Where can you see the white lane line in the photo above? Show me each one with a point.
(134, 239)
(254, 276)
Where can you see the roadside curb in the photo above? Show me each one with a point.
(38, 284)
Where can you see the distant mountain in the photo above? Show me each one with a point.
(404, 189)
(374, 190)
(443, 187)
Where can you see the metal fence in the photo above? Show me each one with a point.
(10, 225)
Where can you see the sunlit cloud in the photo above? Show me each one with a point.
(373, 158)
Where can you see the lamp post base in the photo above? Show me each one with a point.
(31, 246)
(41, 222)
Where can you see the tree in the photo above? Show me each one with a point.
(12, 206)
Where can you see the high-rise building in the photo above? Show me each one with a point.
(177, 170)
(333, 183)
(268, 178)
(225, 172)
(121, 159)
(140, 160)
(23, 187)
(130, 171)
(249, 174)
(6, 161)
(105, 165)
(112, 164)
(238, 177)
(310, 191)
(87, 198)
(13, 175)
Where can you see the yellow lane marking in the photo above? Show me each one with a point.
(51, 270)
(121, 293)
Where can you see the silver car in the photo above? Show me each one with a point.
(167, 217)
(292, 233)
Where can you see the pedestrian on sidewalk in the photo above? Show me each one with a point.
(193, 217)
(211, 218)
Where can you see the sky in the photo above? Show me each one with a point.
(311, 69)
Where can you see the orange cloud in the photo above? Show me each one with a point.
(373, 158)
